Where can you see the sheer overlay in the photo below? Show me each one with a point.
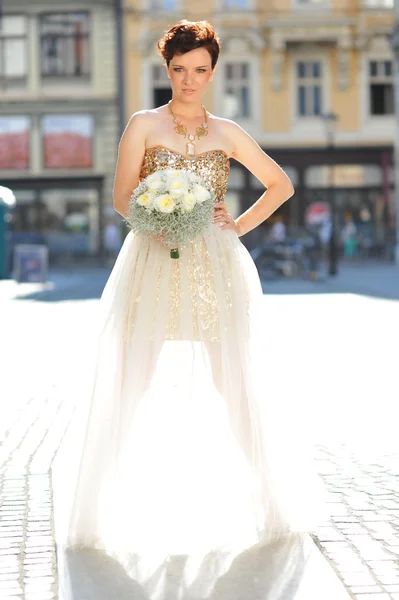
(180, 450)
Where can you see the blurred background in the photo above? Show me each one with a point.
(311, 80)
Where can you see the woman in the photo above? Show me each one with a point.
(177, 455)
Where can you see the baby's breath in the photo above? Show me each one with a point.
(177, 227)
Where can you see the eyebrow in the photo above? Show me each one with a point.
(200, 67)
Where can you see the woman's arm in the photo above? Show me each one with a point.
(279, 186)
(130, 159)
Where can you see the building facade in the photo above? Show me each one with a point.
(59, 122)
(285, 66)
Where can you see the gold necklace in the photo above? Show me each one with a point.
(181, 129)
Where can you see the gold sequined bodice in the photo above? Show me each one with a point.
(213, 166)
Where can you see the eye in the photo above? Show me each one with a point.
(201, 70)
(178, 69)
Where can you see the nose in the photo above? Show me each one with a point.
(188, 78)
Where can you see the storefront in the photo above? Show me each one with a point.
(63, 213)
(360, 182)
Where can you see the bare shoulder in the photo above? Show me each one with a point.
(221, 123)
(144, 122)
(230, 130)
(140, 119)
(247, 151)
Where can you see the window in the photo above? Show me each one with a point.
(236, 4)
(236, 96)
(163, 4)
(381, 87)
(378, 3)
(311, 3)
(309, 78)
(319, 176)
(24, 213)
(66, 219)
(14, 142)
(161, 90)
(13, 40)
(64, 40)
(68, 141)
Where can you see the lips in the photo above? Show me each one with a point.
(188, 90)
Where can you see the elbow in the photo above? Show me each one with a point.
(289, 189)
(115, 203)
(117, 207)
(120, 206)
(284, 188)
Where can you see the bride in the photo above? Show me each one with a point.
(180, 449)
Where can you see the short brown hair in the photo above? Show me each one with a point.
(189, 35)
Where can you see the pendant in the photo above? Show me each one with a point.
(190, 149)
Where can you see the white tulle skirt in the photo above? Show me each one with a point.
(181, 449)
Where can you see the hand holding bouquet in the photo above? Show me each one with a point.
(172, 204)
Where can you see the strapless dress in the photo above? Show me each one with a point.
(178, 450)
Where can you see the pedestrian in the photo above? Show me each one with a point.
(278, 231)
(112, 241)
(178, 456)
(313, 251)
(348, 237)
(325, 235)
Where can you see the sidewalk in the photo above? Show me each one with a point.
(78, 283)
(375, 279)
(362, 541)
(379, 280)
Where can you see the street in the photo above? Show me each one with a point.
(330, 351)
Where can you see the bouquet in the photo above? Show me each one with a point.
(172, 204)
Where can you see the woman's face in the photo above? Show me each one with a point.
(190, 74)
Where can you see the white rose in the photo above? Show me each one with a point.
(145, 200)
(154, 182)
(188, 201)
(201, 193)
(193, 178)
(165, 203)
(177, 187)
(173, 173)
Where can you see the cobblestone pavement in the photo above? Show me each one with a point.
(348, 329)
(362, 541)
(360, 471)
(34, 411)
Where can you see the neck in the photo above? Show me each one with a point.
(187, 111)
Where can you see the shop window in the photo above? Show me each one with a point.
(14, 142)
(344, 176)
(236, 178)
(67, 141)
